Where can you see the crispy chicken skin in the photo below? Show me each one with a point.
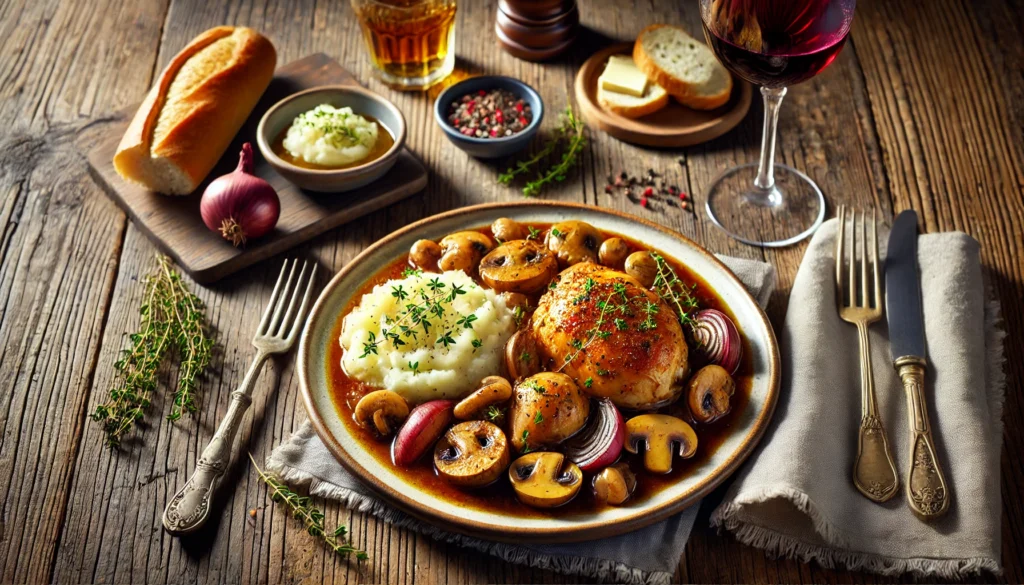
(638, 355)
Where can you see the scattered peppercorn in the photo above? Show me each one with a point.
(489, 114)
(648, 192)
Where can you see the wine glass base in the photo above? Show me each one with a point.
(780, 216)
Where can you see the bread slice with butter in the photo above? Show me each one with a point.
(624, 90)
(684, 66)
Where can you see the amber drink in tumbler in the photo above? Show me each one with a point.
(411, 42)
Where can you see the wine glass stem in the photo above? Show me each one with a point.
(766, 168)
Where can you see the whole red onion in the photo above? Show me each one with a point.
(240, 205)
(717, 339)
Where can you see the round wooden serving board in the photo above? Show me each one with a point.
(673, 125)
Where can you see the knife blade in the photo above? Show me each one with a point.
(903, 289)
(927, 491)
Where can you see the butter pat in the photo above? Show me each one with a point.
(623, 76)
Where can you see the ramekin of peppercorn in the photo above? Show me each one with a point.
(489, 116)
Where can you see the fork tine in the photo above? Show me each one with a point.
(865, 299)
(282, 300)
(305, 304)
(874, 260)
(852, 284)
(292, 302)
(272, 302)
(840, 237)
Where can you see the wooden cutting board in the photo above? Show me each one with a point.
(174, 223)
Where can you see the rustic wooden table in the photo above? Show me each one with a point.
(924, 109)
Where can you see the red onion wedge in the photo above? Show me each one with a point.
(600, 442)
(717, 339)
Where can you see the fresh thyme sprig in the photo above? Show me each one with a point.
(417, 315)
(171, 317)
(569, 138)
(302, 508)
(674, 291)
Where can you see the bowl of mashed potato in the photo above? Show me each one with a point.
(332, 138)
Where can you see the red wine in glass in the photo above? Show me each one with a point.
(776, 43)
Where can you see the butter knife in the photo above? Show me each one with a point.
(927, 491)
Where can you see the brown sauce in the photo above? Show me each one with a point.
(384, 143)
(500, 497)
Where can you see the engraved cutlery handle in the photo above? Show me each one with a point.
(874, 472)
(188, 509)
(927, 492)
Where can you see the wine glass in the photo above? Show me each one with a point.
(774, 44)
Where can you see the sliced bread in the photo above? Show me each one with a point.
(684, 66)
(629, 106)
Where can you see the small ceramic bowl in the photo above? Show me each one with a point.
(362, 101)
(489, 147)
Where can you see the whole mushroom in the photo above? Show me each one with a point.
(614, 484)
(506, 230)
(545, 479)
(472, 454)
(660, 435)
(709, 392)
(463, 251)
(643, 267)
(522, 357)
(574, 241)
(381, 411)
(613, 253)
(425, 254)
(522, 266)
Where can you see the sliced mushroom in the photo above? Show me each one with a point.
(573, 242)
(424, 254)
(506, 230)
(643, 267)
(709, 392)
(381, 411)
(659, 433)
(522, 359)
(472, 454)
(522, 266)
(493, 390)
(547, 408)
(614, 484)
(613, 253)
(545, 479)
(463, 251)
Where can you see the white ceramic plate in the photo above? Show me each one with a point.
(747, 428)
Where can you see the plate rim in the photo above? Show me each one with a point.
(589, 530)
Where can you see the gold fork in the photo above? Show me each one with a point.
(874, 472)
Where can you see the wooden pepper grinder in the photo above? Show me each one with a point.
(536, 30)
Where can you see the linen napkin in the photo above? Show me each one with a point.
(795, 497)
(304, 460)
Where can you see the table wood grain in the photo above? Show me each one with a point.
(923, 109)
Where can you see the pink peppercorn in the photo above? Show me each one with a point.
(499, 117)
(482, 92)
(648, 192)
(643, 202)
(682, 196)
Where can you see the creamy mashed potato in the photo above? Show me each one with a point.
(462, 346)
(330, 136)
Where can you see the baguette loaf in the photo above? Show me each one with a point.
(684, 66)
(198, 104)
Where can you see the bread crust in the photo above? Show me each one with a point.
(216, 108)
(637, 111)
(682, 91)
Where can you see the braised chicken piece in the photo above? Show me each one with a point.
(615, 338)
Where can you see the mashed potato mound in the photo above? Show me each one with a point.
(330, 136)
(422, 368)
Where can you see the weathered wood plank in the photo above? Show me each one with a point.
(58, 255)
(951, 123)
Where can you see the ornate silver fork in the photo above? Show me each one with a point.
(189, 508)
(874, 473)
